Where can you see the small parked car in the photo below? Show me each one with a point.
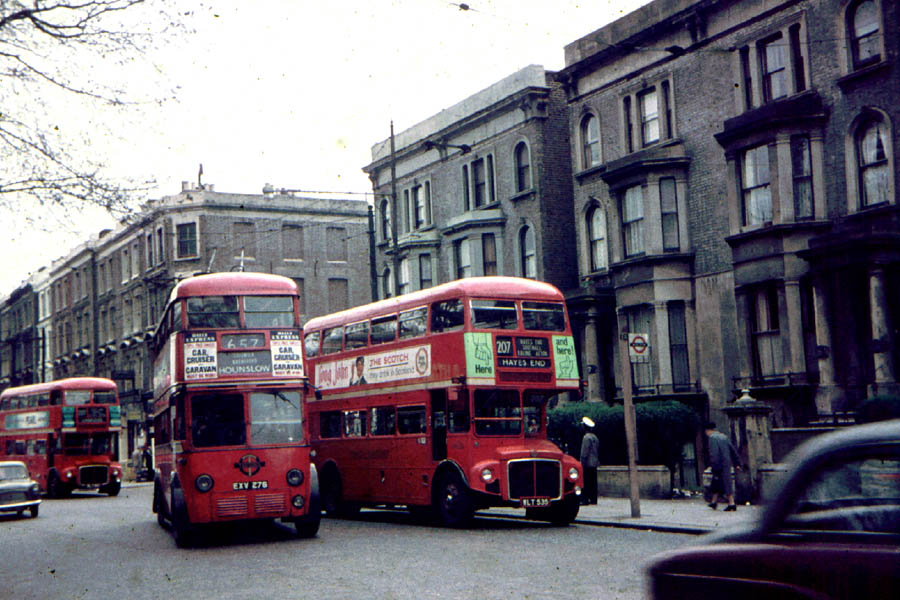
(830, 531)
(18, 491)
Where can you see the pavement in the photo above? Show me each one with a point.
(679, 515)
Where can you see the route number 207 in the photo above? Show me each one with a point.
(504, 346)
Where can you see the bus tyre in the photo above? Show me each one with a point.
(34, 511)
(308, 526)
(159, 506)
(181, 525)
(452, 502)
(112, 488)
(56, 488)
(563, 513)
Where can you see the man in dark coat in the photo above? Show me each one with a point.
(590, 456)
(722, 457)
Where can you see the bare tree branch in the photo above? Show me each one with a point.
(82, 50)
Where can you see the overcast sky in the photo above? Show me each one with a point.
(295, 93)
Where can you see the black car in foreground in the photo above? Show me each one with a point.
(18, 491)
(830, 531)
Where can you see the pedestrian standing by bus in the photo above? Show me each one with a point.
(590, 451)
(722, 457)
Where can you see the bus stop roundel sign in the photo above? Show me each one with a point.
(639, 347)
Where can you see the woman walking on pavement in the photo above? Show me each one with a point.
(722, 457)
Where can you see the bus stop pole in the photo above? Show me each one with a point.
(630, 426)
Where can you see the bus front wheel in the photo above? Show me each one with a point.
(308, 526)
(159, 505)
(56, 488)
(453, 505)
(182, 530)
(34, 511)
(111, 488)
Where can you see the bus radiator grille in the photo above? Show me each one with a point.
(269, 503)
(93, 475)
(533, 478)
(232, 506)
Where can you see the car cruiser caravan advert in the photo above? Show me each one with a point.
(204, 360)
(397, 365)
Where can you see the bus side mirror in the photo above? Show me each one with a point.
(318, 394)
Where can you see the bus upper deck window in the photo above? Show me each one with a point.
(494, 314)
(176, 316)
(447, 315)
(333, 339)
(544, 316)
(77, 397)
(384, 329)
(311, 344)
(412, 322)
(104, 397)
(356, 335)
(213, 311)
(269, 311)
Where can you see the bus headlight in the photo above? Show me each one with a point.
(297, 501)
(203, 483)
(294, 477)
(573, 473)
(487, 474)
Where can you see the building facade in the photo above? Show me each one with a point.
(482, 188)
(735, 201)
(92, 311)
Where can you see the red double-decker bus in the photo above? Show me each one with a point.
(66, 432)
(231, 438)
(437, 400)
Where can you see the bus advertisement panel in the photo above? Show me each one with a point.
(437, 400)
(66, 432)
(229, 427)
